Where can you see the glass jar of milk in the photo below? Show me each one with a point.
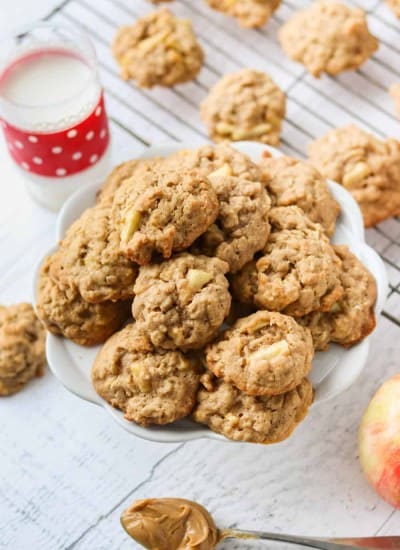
(52, 111)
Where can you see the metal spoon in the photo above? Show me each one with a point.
(367, 543)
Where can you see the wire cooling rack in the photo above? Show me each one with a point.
(314, 106)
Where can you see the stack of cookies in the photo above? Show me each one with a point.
(193, 244)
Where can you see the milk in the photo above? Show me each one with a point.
(47, 97)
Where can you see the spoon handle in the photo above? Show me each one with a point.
(372, 543)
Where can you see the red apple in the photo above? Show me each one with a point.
(379, 441)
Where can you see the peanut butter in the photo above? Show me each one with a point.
(170, 524)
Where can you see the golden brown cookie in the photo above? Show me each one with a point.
(256, 419)
(328, 37)
(22, 347)
(241, 228)
(119, 174)
(394, 91)
(65, 312)
(395, 6)
(150, 386)
(266, 353)
(297, 271)
(366, 166)
(162, 211)
(89, 259)
(158, 49)
(246, 105)
(352, 317)
(292, 182)
(182, 303)
(249, 13)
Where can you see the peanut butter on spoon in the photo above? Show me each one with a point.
(170, 524)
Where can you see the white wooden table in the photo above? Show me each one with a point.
(66, 470)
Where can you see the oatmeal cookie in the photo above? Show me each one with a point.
(22, 347)
(158, 49)
(150, 386)
(246, 105)
(395, 6)
(118, 175)
(256, 419)
(89, 259)
(293, 182)
(366, 166)
(65, 312)
(394, 91)
(163, 211)
(328, 37)
(266, 353)
(352, 317)
(297, 272)
(249, 13)
(183, 302)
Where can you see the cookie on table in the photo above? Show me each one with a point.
(395, 6)
(150, 386)
(89, 259)
(292, 182)
(266, 353)
(158, 49)
(182, 303)
(163, 211)
(66, 313)
(249, 13)
(246, 105)
(328, 37)
(22, 347)
(368, 167)
(352, 317)
(297, 271)
(255, 419)
(394, 91)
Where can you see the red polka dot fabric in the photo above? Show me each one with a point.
(62, 153)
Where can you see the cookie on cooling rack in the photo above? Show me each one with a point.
(246, 105)
(150, 386)
(22, 347)
(158, 49)
(182, 303)
(255, 419)
(266, 353)
(297, 271)
(292, 182)
(249, 13)
(368, 167)
(352, 317)
(328, 37)
(66, 313)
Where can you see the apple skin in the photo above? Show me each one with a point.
(379, 441)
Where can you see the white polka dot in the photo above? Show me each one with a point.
(98, 111)
(90, 135)
(37, 160)
(33, 139)
(25, 165)
(61, 172)
(18, 144)
(77, 155)
(93, 158)
(72, 133)
(56, 150)
(103, 133)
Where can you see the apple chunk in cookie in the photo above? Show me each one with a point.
(266, 353)
(182, 303)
